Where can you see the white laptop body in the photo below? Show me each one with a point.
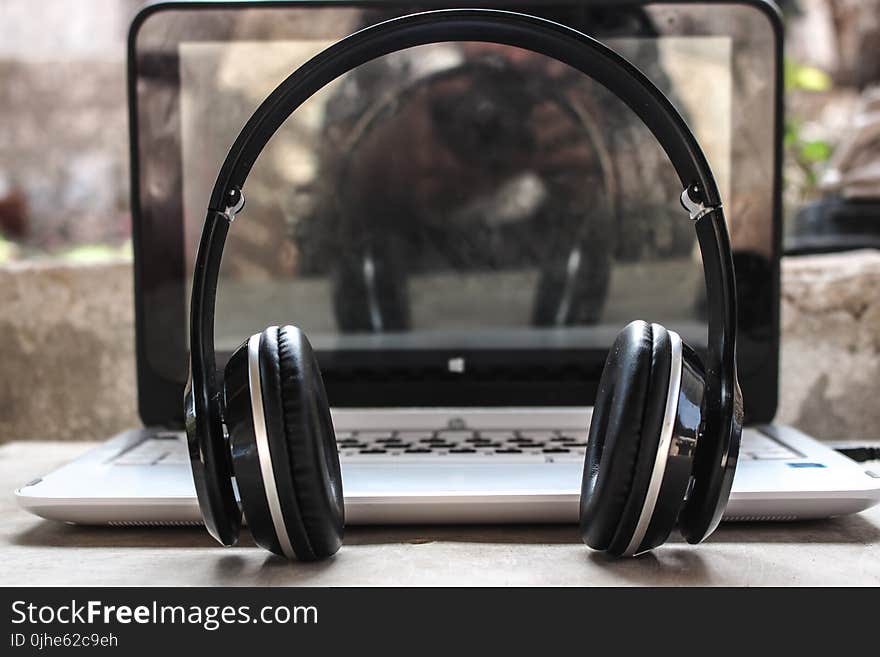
(143, 478)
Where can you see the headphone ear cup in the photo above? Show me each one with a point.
(615, 432)
(283, 445)
(240, 409)
(653, 415)
(313, 458)
(625, 432)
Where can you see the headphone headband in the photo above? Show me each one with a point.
(539, 35)
(211, 467)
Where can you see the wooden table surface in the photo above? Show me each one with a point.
(842, 551)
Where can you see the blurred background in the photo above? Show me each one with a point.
(63, 126)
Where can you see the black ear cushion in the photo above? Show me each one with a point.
(302, 443)
(615, 431)
(311, 443)
(273, 412)
(652, 423)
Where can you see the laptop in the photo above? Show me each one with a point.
(461, 230)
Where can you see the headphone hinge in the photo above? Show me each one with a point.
(236, 203)
(692, 202)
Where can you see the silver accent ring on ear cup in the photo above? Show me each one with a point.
(663, 446)
(262, 442)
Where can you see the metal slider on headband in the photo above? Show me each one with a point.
(696, 209)
(236, 203)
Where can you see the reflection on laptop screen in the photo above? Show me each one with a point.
(467, 197)
(453, 195)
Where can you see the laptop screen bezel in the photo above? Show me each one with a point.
(546, 378)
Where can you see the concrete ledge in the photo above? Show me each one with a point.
(67, 367)
(830, 384)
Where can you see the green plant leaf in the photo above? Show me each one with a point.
(815, 151)
(791, 136)
(806, 78)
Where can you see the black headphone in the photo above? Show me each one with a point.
(665, 431)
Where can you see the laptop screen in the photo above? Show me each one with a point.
(459, 223)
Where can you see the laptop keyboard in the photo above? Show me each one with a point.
(548, 446)
(545, 445)
(759, 447)
(165, 448)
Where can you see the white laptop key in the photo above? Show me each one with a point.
(539, 435)
(146, 453)
(758, 446)
(414, 435)
(454, 435)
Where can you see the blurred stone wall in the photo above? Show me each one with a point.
(830, 383)
(63, 125)
(841, 37)
(840, 41)
(68, 367)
